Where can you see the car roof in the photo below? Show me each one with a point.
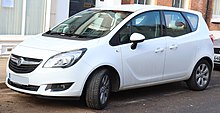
(138, 7)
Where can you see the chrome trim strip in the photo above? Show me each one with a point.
(21, 61)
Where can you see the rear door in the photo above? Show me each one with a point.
(181, 47)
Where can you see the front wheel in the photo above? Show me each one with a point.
(98, 89)
(200, 77)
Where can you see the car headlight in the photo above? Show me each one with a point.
(64, 59)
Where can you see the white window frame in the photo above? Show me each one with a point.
(215, 18)
(5, 49)
(185, 4)
(152, 2)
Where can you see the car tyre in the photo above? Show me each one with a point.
(98, 89)
(200, 76)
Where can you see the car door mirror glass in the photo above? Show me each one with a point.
(179, 24)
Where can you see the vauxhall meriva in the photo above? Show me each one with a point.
(100, 50)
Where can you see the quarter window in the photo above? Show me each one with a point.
(216, 12)
(175, 23)
(193, 20)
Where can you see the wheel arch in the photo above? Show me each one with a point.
(207, 59)
(115, 78)
(197, 61)
(192, 82)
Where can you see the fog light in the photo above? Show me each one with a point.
(58, 87)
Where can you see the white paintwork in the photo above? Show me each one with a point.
(145, 63)
(180, 54)
(154, 61)
(137, 37)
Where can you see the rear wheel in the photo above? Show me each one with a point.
(98, 89)
(200, 77)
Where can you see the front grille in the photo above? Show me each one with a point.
(25, 87)
(20, 64)
(217, 50)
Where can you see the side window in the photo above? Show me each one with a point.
(176, 24)
(193, 20)
(125, 33)
(148, 24)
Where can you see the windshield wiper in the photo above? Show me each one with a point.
(61, 34)
(70, 35)
(85, 36)
(80, 36)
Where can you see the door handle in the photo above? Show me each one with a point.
(159, 50)
(174, 46)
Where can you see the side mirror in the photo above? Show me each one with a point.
(136, 38)
(179, 24)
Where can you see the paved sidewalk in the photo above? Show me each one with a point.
(3, 61)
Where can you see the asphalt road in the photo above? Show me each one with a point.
(168, 98)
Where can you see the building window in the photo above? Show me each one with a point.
(11, 17)
(216, 12)
(178, 3)
(35, 16)
(143, 1)
(22, 17)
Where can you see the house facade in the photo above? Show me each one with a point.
(21, 19)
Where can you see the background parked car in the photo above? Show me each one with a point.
(217, 54)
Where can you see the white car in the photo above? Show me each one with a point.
(100, 50)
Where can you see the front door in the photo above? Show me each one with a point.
(144, 64)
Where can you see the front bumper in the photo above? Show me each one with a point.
(37, 82)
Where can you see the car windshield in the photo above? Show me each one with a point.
(90, 23)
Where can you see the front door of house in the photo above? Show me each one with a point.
(79, 5)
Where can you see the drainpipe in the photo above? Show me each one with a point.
(207, 9)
